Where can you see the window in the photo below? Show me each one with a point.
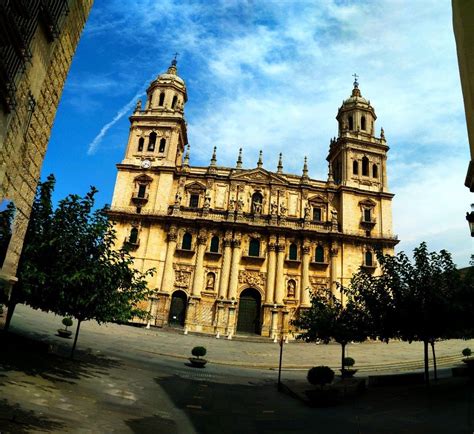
(173, 103)
(254, 247)
(362, 123)
(368, 259)
(355, 167)
(162, 99)
(293, 256)
(351, 123)
(319, 254)
(367, 215)
(151, 142)
(257, 200)
(375, 171)
(187, 241)
(365, 166)
(214, 247)
(141, 143)
(194, 200)
(141, 190)
(133, 239)
(317, 214)
(162, 145)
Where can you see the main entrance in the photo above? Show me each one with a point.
(248, 320)
(177, 309)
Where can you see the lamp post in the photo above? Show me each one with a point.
(470, 219)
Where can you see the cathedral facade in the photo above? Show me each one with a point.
(240, 250)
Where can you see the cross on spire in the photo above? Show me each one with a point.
(356, 83)
(176, 55)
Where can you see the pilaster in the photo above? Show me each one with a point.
(279, 278)
(226, 262)
(234, 270)
(168, 272)
(199, 268)
(305, 286)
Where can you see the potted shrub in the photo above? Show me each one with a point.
(321, 376)
(347, 371)
(196, 361)
(468, 359)
(65, 333)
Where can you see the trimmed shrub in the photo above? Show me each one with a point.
(348, 361)
(198, 352)
(320, 375)
(67, 322)
(466, 352)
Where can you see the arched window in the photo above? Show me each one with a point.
(141, 190)
(319, 254)
(187, 241)
(351, 123)
(151, 142)
(293, 256)
(254, 247)
(133, 239)
(162, 99)
(173, 103)
(368, 259)
(141, 143)
(365, 166)
(214, 247)
(162, 145)
(362, 123)
(375, 171)
(355, 167)
(257, 200)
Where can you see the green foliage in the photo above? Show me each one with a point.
(198, 352)
(466, 352)
(348, 361)
(320, 375)
(67, 322)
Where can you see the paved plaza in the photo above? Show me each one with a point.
(128, 379)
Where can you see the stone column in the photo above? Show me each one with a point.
(270, 289)
(279, 279)
(234, 269)
(231, 321)
(305, 299)
(225, 272)
(274, 326)
(332, 271)
(199, 267)
(168, 274)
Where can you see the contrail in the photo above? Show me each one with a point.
(120, 114)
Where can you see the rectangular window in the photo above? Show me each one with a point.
(194, 201)
(317, 214)
(141, 190)
(367, 215)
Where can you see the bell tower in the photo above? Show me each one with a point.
(356, 157)
(158, 133)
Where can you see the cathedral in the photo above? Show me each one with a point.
(239, 250)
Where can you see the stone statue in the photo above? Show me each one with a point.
(291, 288)
(283, 209)
(257, 207)
(211, 279)
(274, 208)
(307, 212)
(138, 105)
(334, 217)
(207, 202)
(177, 199)
(240, 205)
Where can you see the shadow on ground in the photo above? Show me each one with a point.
(14, 419)
(39, 358)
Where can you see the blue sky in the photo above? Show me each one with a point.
(271, 75)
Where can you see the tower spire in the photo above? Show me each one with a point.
(305, 169)
(186, 158)
(239, 160)
(260, 161)
(280, 164)
(213, 158)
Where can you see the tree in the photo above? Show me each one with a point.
(72, 266)
(413, 301)
(328, 318)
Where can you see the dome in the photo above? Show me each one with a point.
(171, 74)
(356, 97)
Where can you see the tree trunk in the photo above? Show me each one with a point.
(343, 356)
(434, 360)
(75, 338)
(10, 311)
(427, 372)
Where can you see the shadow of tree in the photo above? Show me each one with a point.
(14, 419)
(152, 424)
(39, 358)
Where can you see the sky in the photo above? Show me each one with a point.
(271, 75)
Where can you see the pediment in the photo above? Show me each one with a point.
(317, 199)
(143, 179)
(258, 175)
(195, 186)
(367, 203)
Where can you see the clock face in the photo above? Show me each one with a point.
(146, 164)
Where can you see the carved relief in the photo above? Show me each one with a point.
(252, 278)
(182, 275)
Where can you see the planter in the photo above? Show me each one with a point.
(197, 363)
(347, 373)
(64, 333)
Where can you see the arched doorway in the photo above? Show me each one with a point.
(177, 309)
(248, 320)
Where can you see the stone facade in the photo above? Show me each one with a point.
(239, 250)
(43, 37)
